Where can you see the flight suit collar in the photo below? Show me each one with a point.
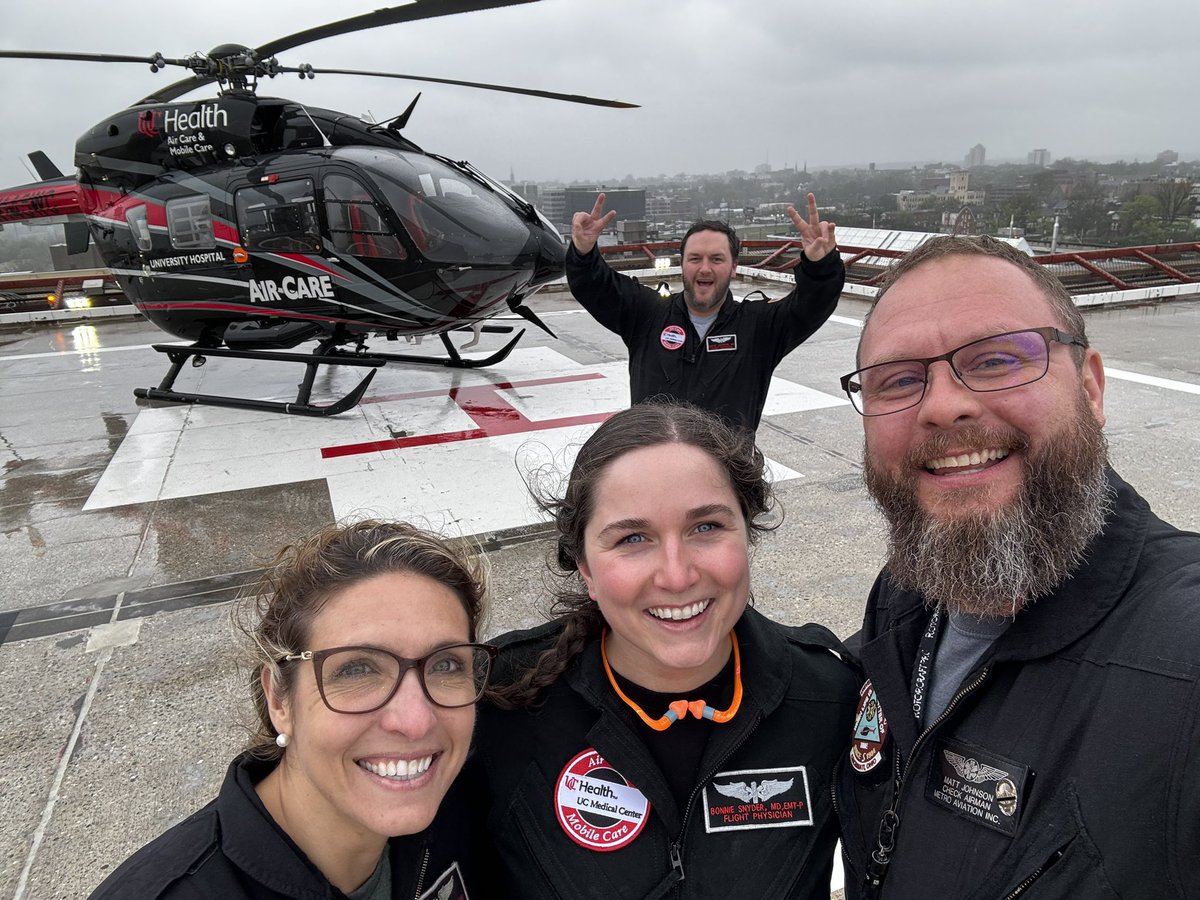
(615, 737)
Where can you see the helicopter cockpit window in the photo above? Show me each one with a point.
(449, 216)
(279, 218)
(189, 223)
(356, 226)
(140, 226)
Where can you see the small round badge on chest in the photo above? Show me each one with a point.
(596, 806)
(672, 337)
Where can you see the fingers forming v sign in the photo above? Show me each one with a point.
(586, 228)
(816, 237)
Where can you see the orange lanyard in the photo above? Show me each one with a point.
(678, 709)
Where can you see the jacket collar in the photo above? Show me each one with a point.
(728, 308)
(252, 841)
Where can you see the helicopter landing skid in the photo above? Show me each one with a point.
(453, 359)
(325, 354)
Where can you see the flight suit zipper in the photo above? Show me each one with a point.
(1035, 875)
(675, 850)
(421, 874)
(889, 823)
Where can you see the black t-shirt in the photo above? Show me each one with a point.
(678, 749)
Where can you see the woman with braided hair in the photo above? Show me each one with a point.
(658, 737)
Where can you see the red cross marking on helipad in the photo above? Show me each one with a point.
(492, 414)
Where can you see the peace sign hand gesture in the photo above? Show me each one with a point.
(586, 228)
(816, 237)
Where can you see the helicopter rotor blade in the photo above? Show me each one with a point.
(157, 59)
(529, 92)
(390, 15)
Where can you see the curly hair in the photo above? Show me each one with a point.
(278, 615)
(645, 425)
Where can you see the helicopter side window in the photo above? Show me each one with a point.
(189, 223)
(279, 217)
(356, 226)
(140, 226)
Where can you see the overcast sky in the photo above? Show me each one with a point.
(722, 84)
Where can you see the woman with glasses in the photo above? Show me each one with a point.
(365, 676)
(659, 738)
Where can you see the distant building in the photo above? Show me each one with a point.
(560, 204)
(1167, 157)
(528, 190)
(1039, 158)
(631, 231)
(976, 156)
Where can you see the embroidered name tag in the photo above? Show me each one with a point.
(757, 798)
(718, 343)
(977, 785)
(449, 886)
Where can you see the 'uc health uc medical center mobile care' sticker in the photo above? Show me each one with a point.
(672, 337)
(596, 806)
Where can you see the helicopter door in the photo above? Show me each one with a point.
(279, 217)
(356, 226)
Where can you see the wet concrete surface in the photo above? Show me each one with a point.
(122, 704)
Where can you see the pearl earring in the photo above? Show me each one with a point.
(282, 740)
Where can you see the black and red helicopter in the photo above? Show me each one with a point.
(248, 225)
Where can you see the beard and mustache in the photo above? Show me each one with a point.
(996, 562)
(720, 292)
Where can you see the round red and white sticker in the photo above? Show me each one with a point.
(672, 337)
(596, 806)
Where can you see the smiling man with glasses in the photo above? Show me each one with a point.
(1031, 722)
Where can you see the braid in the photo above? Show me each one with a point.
(579, 628)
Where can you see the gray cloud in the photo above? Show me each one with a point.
(723, 84)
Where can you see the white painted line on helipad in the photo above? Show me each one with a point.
(87, 350)
(846, 320)
(1186, 386)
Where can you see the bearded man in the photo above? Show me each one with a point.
(1031, 722)
(701, 345)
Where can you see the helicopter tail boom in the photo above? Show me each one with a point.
(40, 200)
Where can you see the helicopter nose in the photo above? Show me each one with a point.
(551, 257)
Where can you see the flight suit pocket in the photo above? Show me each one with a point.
(1059, 861)
(544, 861)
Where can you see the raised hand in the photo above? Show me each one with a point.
(586, 228)
(816, 237)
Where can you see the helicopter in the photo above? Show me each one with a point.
(246, 225)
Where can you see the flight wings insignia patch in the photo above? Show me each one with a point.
(755, 791)
(758, 798)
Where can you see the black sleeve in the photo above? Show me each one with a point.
(809, 304)
(614, 300)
